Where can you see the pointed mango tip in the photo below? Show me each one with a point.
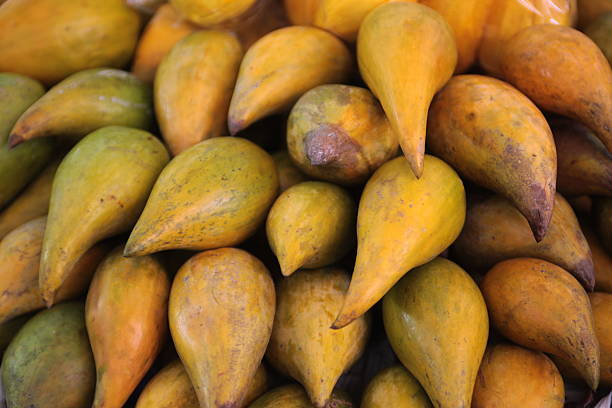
(48, 298)
(585, 273)
(416, 164)
(539, 219)
(342, 321)
(132, 250)
(287, 267)
(14, 140)
(234, 125)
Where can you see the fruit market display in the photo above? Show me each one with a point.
(305, 203)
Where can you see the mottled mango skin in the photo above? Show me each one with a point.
(61, 37)
(540, 306)
(395, 387)
(600, 31)
(294, 396)
(436, 321)
(212, 12)
(601, 304)
(49, 363)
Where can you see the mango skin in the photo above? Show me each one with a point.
(9, 330)
(600, 31)
(126, 315)
(540, 306)
(62, 37)
(511, 376)
(402, 222)
(193, 88)
(221, 311)
(589, 10)
(601, 303)
(49, 363)
(294, 396)
(214, 194)
(339, 133)
(212, 12)
(288, 174)
(84, 102)
(406, 52)
(436, 321)
(395, 387)
(104, 180)
(602, 261)
(18, 166)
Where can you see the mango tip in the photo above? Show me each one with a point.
(234, 126)
(341, 321)
(416, 165)
(14, 140)
(585, 273)
(132, 250)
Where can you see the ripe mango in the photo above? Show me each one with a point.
(288, 174)
(539, 305)
(84, 102)
(193, 87)
(402, 222)
(339, 133)
(280, 67)
(406, 53)
(601, 303)
(49, 363)
(8, 331)
(61, 37)
(311, 225)
(600, 31)
(294, 396)
(395, 387)
(214, 194)
(104, 181)
(436, 321)
(221, 312)
(212, 12)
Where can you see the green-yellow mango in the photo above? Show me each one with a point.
(9, 330)
(395, 387)
(294, 396)
(600, 31)
(288, 174)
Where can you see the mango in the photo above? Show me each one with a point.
(214, 194)
(436, 321)
(402, 222)
(221, 312)
(104, 181)
(294, 396)
(495, 231)
(602, 211)
(61, 37)
(311, 225)
(395, 387)
(212, 12)
(339, 133)
(84, 102)
(279, 67)
(496, 137)
(600, 31)
(589, 10)
(49, 363)
(541, 306)
(564, 72)
(288, 174)
(601, 303)
(302, 344)
(511, 376)
(406, 53)
(146, 6)
(193, 87)
(9, 330)
(602, 261)
(126, 315)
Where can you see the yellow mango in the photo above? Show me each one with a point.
(288, 174)
(311, 225)
(436, 321)
(280, 67)
(395, 387)
(214, 194)
(61, 37)
(212, 12)
(221, 312)
(84, 102)
(193, 87)
(406, 53)
(99, 190)
(294, 396)
(601, 303)
(402, 222)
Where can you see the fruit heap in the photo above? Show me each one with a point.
(454, 155)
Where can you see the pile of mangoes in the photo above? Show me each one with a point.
(305, 203)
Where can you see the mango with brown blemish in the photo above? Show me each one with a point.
(402, 222)
(339, 133)
(600, 31)
(99, 191)
(602, 213)
(495, 230)
(311, 225)
(214, 194)
(212, 12)
(406, 53)
(496, 137)
(288, 174)
(541, 306)
(395, 387)
(193, 88)
(602, 261)
(564, 72)
(601, 303)
(84, 102)
(294, 396)
(221, 313)
(590, 10)
(280, 67)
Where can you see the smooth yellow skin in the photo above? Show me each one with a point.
(99, 191)
(126, 318)
(84, 102)
(193, 88)
(302, 344)
(294, 396)
(212, 12)
(496, 137)
(395, 387)
(601, 303)
(436, 321)
(311, 225)
(511, 376)
(288, 174)
(402, 222)
(214, 194)
(340, 133)
(61, 37)
(221, 312)
(406, 53)
(280, 67)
